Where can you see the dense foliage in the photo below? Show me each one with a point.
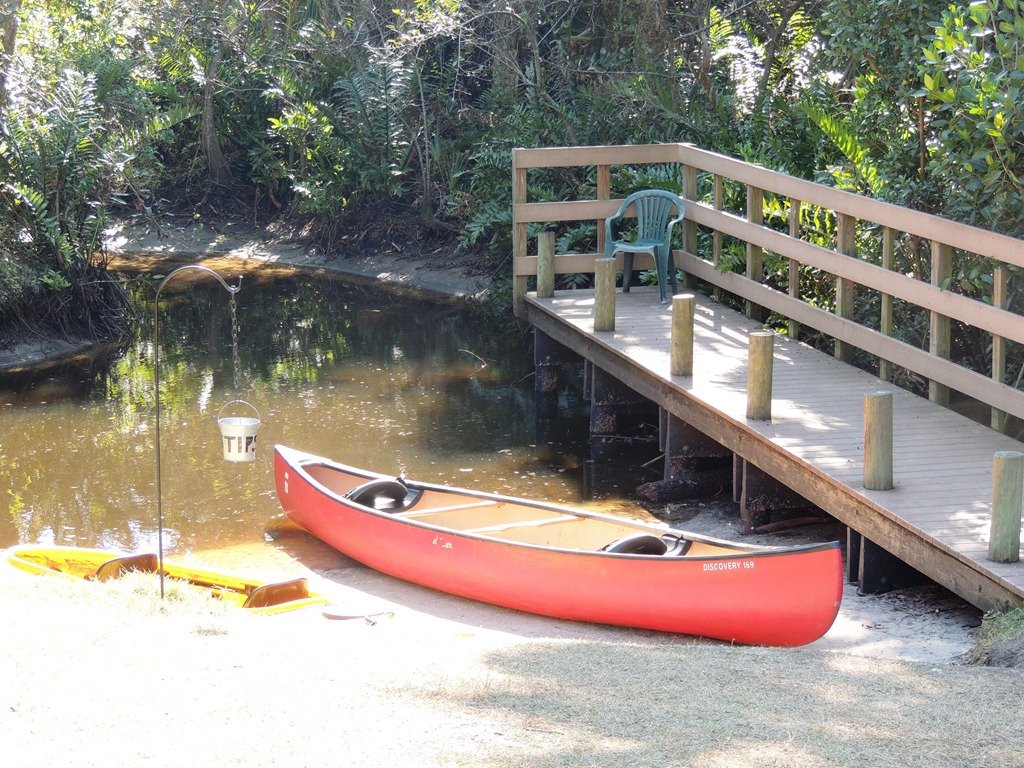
(317, 108)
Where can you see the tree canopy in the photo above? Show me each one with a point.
(311, 108)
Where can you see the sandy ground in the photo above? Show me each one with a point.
(396, 265)
(419, 678)
(920, 624)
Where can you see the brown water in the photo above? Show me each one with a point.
(372, 378)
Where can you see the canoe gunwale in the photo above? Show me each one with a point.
(299, 461)
(776, 596)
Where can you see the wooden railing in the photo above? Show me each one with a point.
(702, 177)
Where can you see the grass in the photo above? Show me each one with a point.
(134, 594)
(211, 685)
(1000, 640)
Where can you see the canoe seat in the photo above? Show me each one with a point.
(117, 567)
(383, 494)
(649, 544)
(277, 593)
(677, 545)
(430, 511)
(525, 524)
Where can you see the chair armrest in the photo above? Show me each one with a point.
(609, 233)
(668, 231)
(671, 224)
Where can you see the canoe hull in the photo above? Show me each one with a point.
(83, 563)
(766, 597)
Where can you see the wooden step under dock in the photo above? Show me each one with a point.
(936, 517)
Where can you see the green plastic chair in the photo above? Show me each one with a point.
(653, 235)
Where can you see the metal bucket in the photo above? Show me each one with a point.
(238, 434)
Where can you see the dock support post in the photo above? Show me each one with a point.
(1007, 486)
(878, 441)
(549, 357)
(760, 495)
(695, 465)
(759, 375)
(875, 570)
(607, 394)
(681, 354)
(618, 416)
(682, 440)
(545, 265)
(604, 295)
(554, 369)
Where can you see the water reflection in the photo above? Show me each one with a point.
(396, 383)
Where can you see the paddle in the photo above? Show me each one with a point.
(338, 613)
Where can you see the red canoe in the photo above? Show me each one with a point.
(563, 562)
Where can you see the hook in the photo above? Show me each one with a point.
(232, 289)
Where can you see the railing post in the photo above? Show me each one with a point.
(604, 295)
(886, 323)
(755, 254)
(519, 196)
(846, 244)
(878, 441)
(759, 375)
(939, 340)
(1007, 486)
(604, 192)
(681, 348)
(689, 190)
(794, 265)
(545, 265)
(1000, 299)
(718, 187)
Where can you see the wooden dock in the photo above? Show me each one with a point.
(936, 518)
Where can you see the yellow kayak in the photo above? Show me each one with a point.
(100, 564)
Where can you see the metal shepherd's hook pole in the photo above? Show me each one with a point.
(232, 289)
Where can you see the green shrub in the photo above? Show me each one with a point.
(1000, 640)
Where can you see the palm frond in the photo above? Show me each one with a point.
(848, 145)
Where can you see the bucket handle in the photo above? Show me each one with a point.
(243, 402)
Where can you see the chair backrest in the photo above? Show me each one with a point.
(654, 209)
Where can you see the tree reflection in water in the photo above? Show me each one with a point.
(393, 382)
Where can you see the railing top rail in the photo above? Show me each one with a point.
(926, 225)
(982, 242)
(568, 157)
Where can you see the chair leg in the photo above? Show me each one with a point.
(672, 272)
(627, 270)
(662, 266)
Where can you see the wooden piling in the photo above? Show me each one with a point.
(604, 295)
(681, 353)
(545, 265)
(759, 375)
(878, 441)
(1007, 487)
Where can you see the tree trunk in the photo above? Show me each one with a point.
(8, 40)
(220, 170)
